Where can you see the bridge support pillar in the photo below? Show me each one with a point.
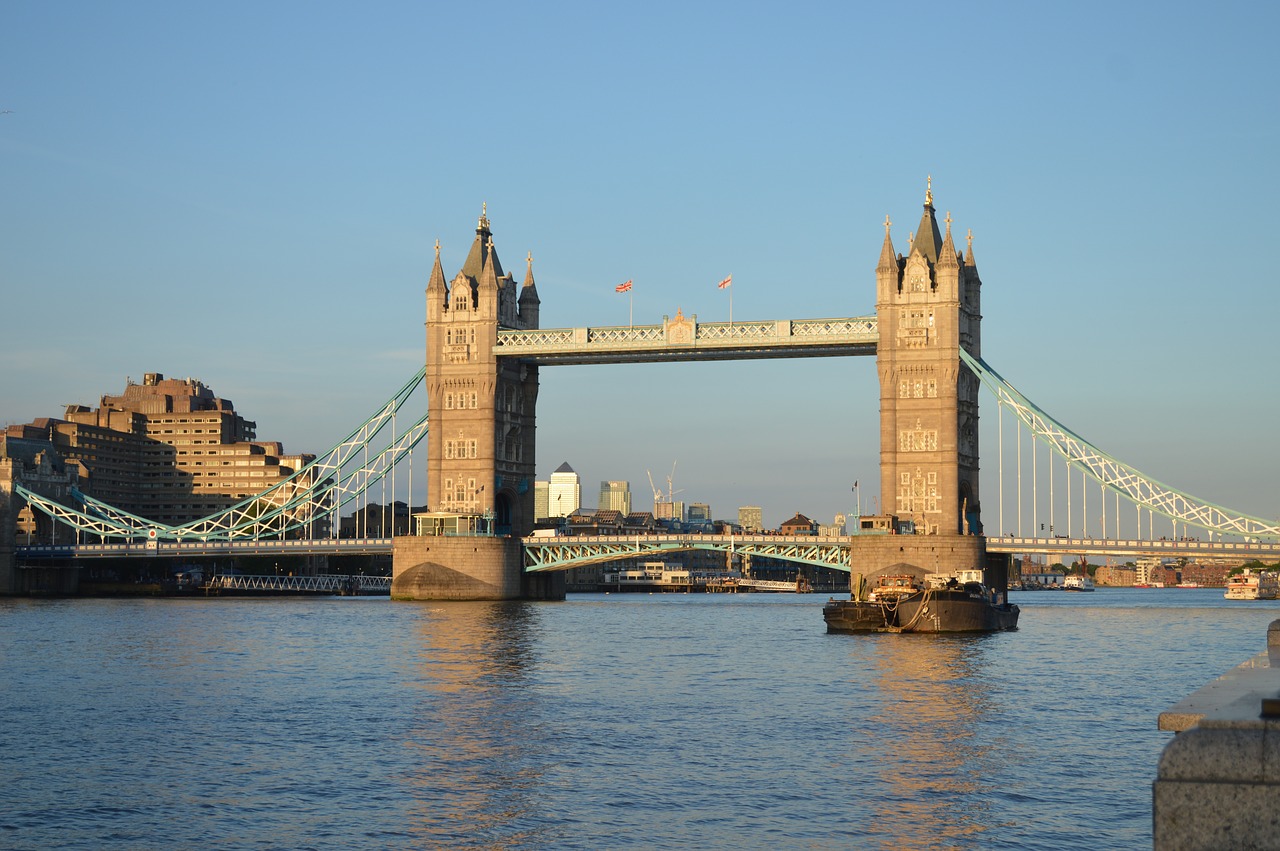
(7, 570)
(874, 554)
(462, 568)
(8, 565)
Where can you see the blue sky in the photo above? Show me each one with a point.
(249, 194)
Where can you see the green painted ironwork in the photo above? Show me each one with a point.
(1115, 475)
(542, 554)
(336, 478)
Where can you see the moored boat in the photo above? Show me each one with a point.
(934, 603)
(1253, 585)
(1078, 582)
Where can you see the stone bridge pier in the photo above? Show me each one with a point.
(33, 465)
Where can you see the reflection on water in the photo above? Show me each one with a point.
(933, 698)
(622, 722)
(477, 749)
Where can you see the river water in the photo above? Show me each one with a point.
(605, 721)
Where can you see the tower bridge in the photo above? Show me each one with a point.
(484, 353)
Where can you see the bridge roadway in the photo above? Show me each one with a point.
(173, 549)
(559, 553)
(1266, 551)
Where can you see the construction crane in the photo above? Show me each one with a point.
(671, 493)
(657, 494)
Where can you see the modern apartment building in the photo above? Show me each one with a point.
(168, 450)
(750, 518)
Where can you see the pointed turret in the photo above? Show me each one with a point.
(436, 283)
(529, 300)
(487, 296)
(490, 273)
(437, 289)
(972, 282)
(969, 262)
(947, 258)
(888, 260)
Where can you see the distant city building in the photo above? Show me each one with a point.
(168, 450)
(750, 518)
(1150, 570)
(798, 525)
(615, 496)
(564, 496)
(668, 510)
(541, 500)
(699, 511)
(1116, 575)
(837, 527)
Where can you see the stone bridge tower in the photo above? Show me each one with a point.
(480, 444)
(928, 306)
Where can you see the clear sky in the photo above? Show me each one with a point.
(248, 194)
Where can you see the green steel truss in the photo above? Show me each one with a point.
(321, 488)
(1115, 475)
(561, 553)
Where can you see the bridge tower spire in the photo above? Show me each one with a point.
(927, 305)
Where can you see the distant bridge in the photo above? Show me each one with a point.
(568, 551)
(322, 584)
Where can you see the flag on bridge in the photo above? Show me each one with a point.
(727, 282)
(624, 287)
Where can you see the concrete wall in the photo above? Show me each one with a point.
(429, 568)
(1218, 782)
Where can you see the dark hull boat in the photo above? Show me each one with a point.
(901, 605)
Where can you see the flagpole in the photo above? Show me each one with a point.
(631, 303)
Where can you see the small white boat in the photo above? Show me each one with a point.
(1078, 583)
(1253, 585)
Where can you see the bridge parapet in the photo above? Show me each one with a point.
(1014, 545)
(684, 338)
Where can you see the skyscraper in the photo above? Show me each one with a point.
(615, 496)
(564, 496)
(541, 500)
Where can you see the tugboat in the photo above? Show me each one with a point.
(906, 599)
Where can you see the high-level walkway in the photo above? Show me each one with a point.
(685, 339)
